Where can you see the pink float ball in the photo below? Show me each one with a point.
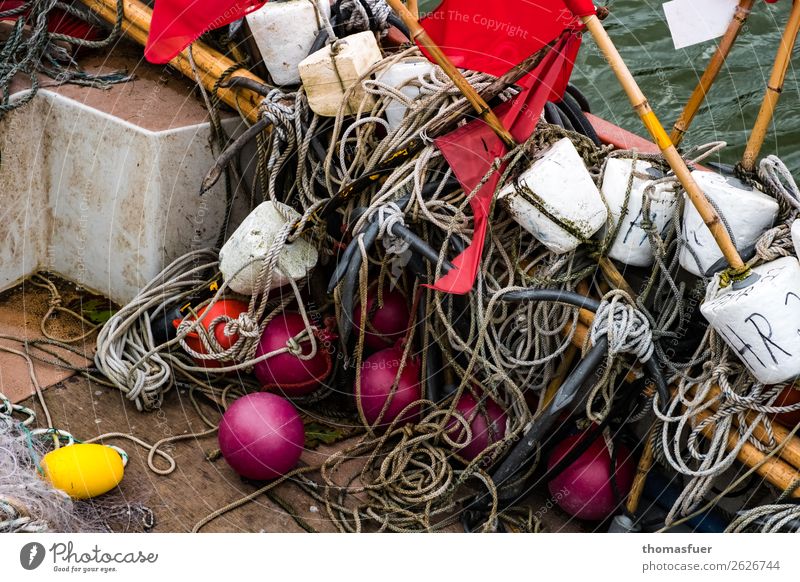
(388, 322)
(378, 373)
(287, 372)
(261, 436)
(584, 489)
(487, 426)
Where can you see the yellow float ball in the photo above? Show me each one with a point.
(83, 470)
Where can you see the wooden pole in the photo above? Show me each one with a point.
(413, 8)
(712, 70)
(676, 162)
(774, 88)
(211, 64)
(421, 37)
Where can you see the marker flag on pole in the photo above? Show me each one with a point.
(474, 36)
(492, 37)
(178, 23)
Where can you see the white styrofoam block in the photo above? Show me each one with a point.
(284, 33)
(796, 237)
(749, 214)
(761, 323)
(239, 258)
(102, 202)
(402, 77)
(333, 70)
(631, 246)
(559, 185)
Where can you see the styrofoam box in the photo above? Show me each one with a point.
(100, 201)
(284, 33)
(747, 212)
(559, 184)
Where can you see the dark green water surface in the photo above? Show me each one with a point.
(668, 77)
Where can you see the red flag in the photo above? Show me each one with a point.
(472, 149)
(492, 37)
(178, 23)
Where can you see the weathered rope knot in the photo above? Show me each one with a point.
(627, 329)
(243, 326)
(389, 216)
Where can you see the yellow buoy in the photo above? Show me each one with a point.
(83, 470)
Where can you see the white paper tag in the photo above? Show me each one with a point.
(695, 21)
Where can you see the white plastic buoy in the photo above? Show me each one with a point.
(558, 185)
(631, 245)
(284, 33)
(330, 72)
(747, 212)
(761, 322)
(253, 240)
(402, 77)
(796, 237)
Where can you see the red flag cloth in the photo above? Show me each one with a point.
(178, 23)
(492, 37)
(472, 149)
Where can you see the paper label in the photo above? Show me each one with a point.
(695, 21)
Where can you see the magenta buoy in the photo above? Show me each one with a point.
(584, 489)
(378, 373)
(487, 426)
(261, 436)
(386, 324)
(287, 372)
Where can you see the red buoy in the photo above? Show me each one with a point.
(788, 396)
(287, 371)
(230, 308)
(387, 322)
(261, 436)
(488, 426)
(378, 375)
(584, 488)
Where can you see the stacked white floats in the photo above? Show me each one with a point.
(556, 199)
(631, 245)
(242, 258)
(747, 213)
(284, 33)
(761, 321)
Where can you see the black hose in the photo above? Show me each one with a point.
(572, 110)
(581, 99)
(552, 115)
(395, 21)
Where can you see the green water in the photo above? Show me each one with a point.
(668, 77)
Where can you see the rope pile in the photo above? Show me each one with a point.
(398, 230)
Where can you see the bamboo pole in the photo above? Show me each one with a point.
(774, 89)
(676, 162)
(774, 470)
(211, 64)
(783, 436)
(642, 471)
(421, 37)
(413, 8)
(712, 70)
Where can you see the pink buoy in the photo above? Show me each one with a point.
(386, 323)
(584, 489)
(286, 371)
(261, 436)
(488, 426)
(378, 374)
